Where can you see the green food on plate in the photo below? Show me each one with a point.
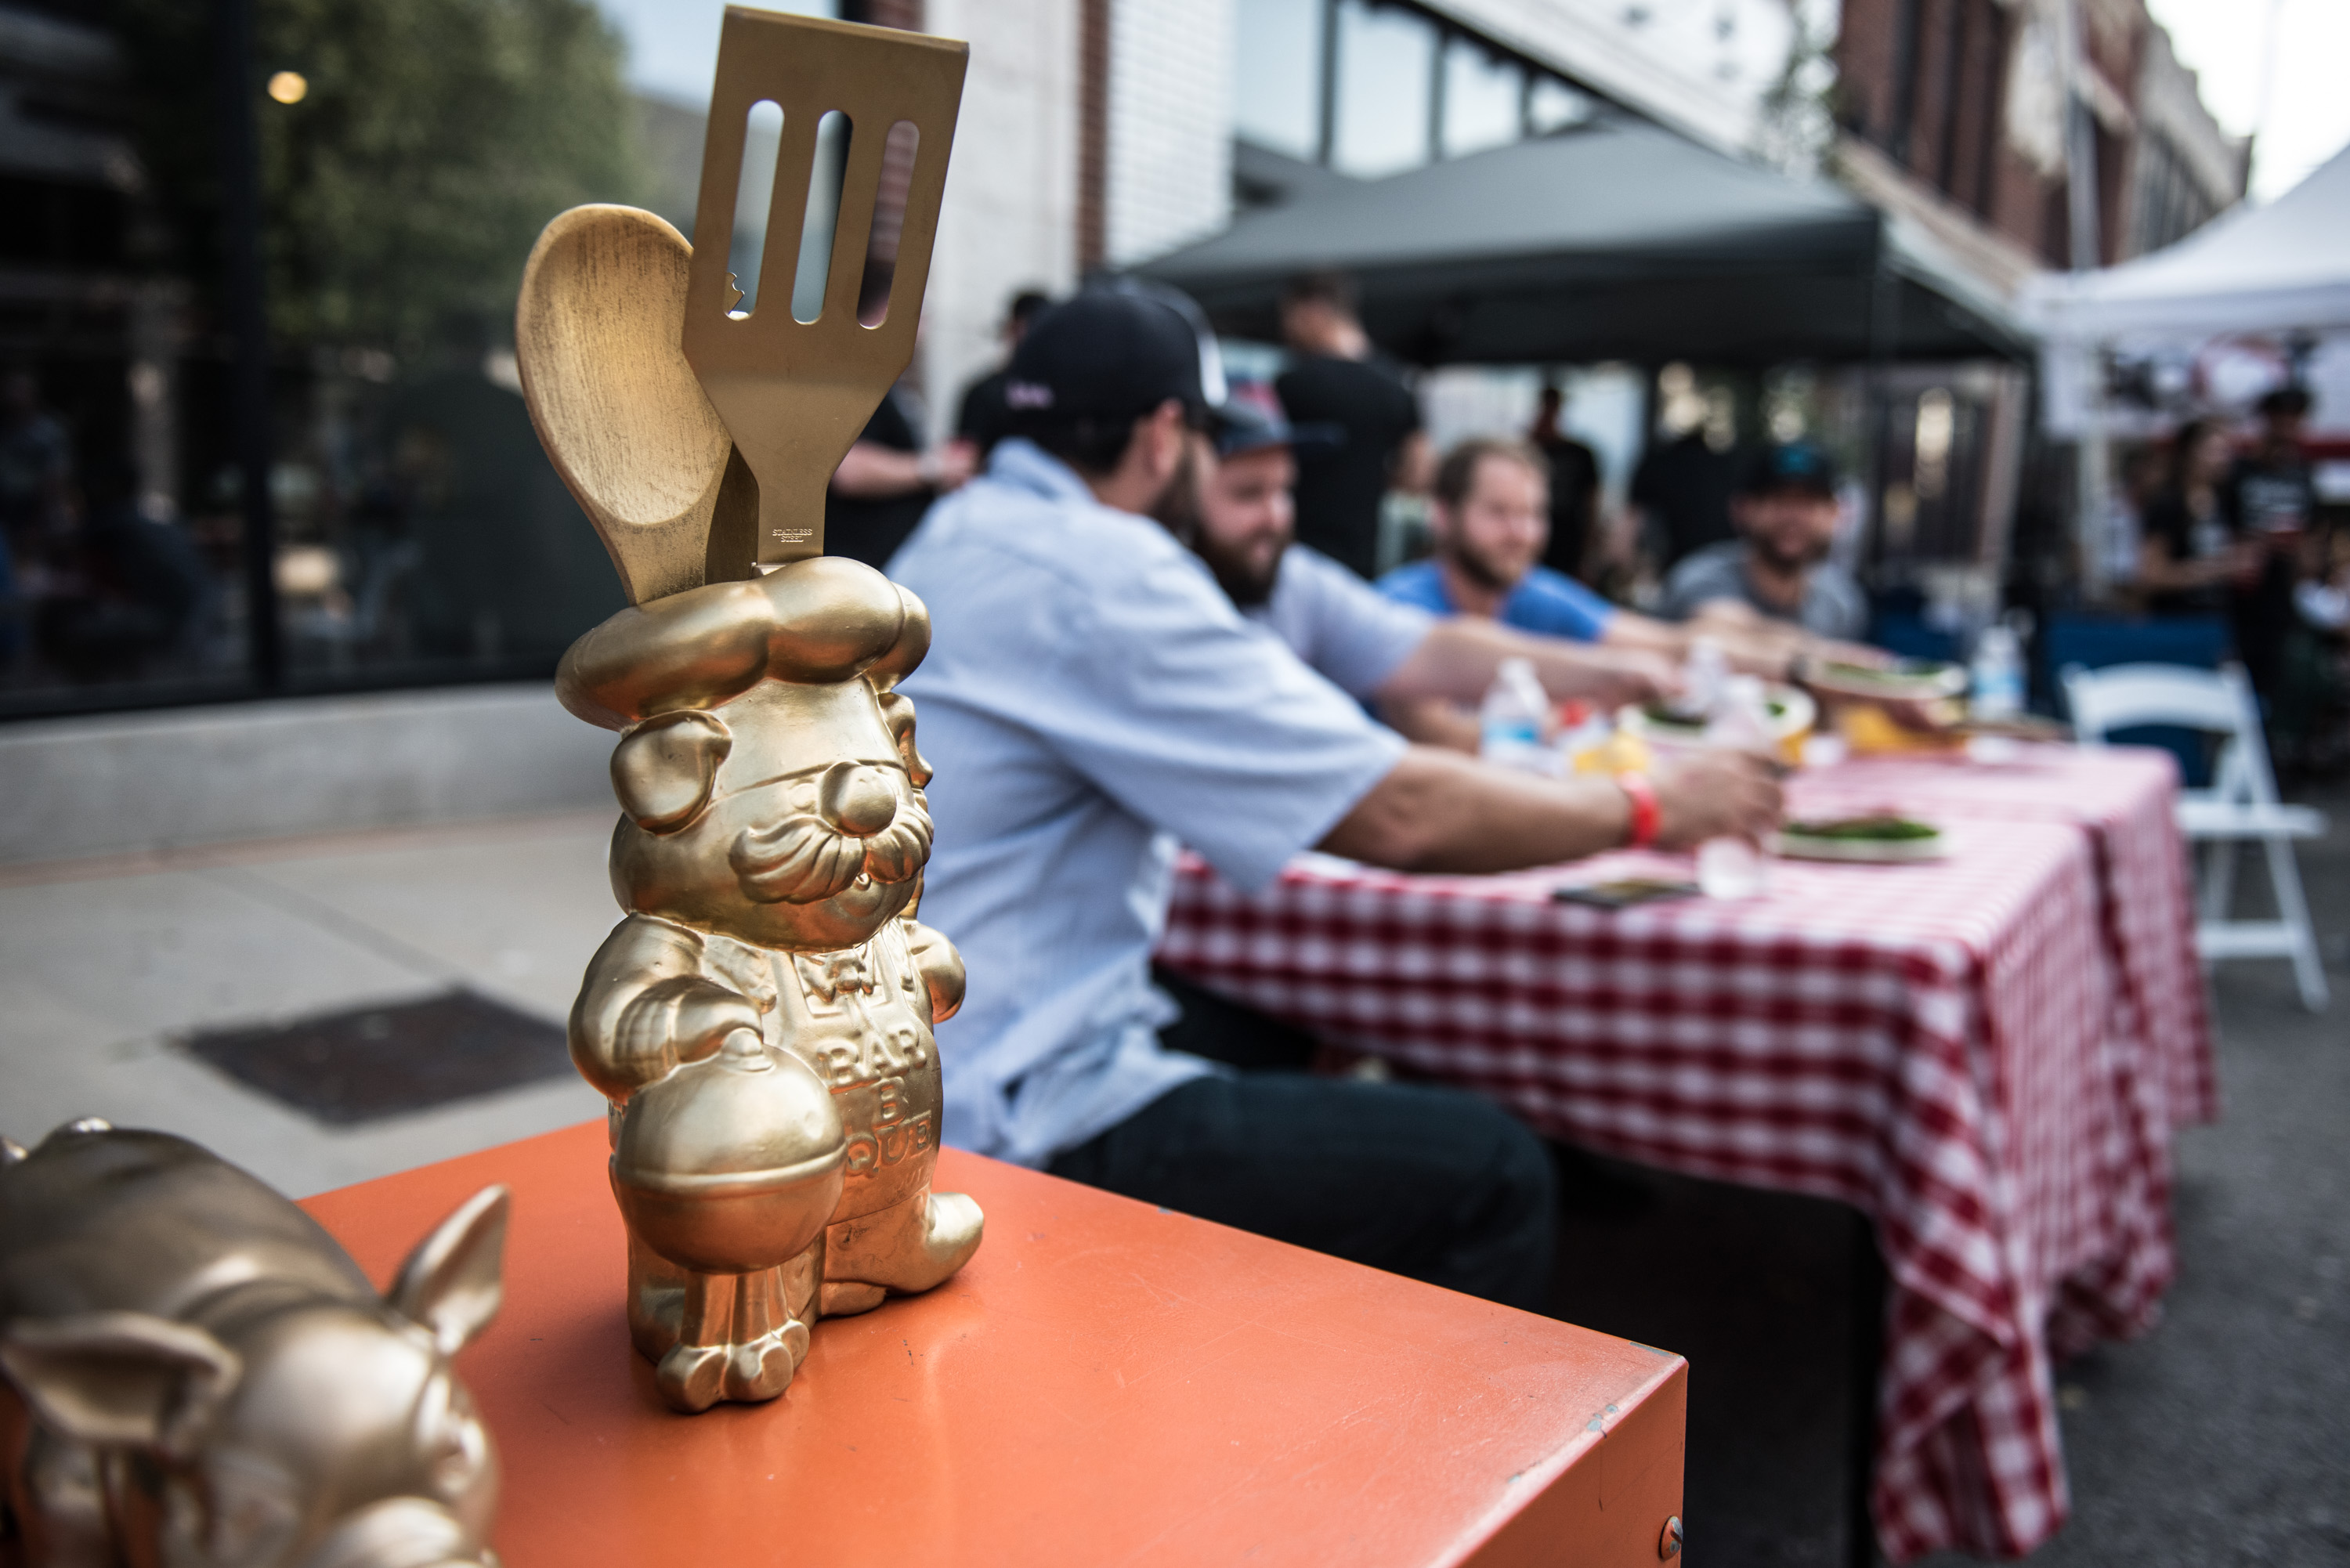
(1909, 674)
(1660, 714)
(1865, 829)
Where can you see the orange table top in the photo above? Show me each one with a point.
(1105, 1383)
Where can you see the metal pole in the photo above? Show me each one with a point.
(2092, 498)
(248, 324)
(1883, 327)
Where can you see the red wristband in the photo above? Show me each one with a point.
(1646, 817)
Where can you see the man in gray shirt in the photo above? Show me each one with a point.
(1091, 700)
(1778, 568)
(1240, 519)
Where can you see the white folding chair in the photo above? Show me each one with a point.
(2241, 805)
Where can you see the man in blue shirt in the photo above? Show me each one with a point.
(1091, 700)
(1491, 516)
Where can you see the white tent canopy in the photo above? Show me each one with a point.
(2284, 267)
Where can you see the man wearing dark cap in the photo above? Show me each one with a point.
(1240, 521)
(1092, 698)
(1785, 510)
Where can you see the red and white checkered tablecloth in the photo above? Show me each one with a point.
(2127, 798)
(1933, 1043)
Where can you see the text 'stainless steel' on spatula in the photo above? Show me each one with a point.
(794, 393)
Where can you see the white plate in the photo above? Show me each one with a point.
(1862, 851)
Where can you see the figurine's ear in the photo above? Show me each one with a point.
(120, 1378)
(663, 769)
(913, 641)
(897, 713)
(454, 1281)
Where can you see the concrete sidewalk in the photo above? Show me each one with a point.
(106, 964)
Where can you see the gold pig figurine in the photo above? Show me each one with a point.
(761, 1021)
(197, 1377)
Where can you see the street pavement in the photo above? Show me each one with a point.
(107, 966)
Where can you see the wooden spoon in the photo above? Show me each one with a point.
(620, 411)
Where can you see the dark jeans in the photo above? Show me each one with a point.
(1437, 1184)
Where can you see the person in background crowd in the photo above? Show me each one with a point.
(1239, 519)
(2270, 503)
(2191, 558)
(2313, 708)
(1681, 492)
(982, 418)
(1491, 515)
(1092, 698)
(1573, 488)
(1785, 510)
(887, 481)
(1335, 381)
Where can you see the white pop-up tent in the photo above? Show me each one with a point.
(2282, 271)
(2282, 268)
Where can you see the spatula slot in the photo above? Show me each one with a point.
(763, 135)
(822, 219)
(888, 222)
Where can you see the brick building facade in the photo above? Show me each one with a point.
(1954, 112)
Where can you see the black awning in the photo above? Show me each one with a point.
(1610, 240)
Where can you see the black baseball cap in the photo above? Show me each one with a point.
(1789, 465)
(1113, 354)
(1253, 419)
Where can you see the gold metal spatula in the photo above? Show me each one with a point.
(795, 394)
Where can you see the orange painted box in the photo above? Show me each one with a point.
(1105, 1382)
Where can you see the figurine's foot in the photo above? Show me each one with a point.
(908, 1248)
(953, 1233)
(846, 1298)
(692, 1377)
(763, 1370)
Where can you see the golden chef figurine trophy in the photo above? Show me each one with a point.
(761, 1019)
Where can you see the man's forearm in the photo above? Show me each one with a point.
(872, 471)
(1433, 721)
(1457, 659)
(1439, 811)
(1638, 633)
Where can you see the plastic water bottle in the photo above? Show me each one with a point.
(1732, 867)
(1703, 677)
(1514, 721)
(1996, 677)
(1740, 716)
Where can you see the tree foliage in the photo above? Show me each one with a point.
(401, 193)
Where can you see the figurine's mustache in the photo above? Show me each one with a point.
(804, 860)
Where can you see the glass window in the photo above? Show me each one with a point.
(1277, 93)
(1481, 94)
(1386, 65)
(1551, 103)
(416, 532)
